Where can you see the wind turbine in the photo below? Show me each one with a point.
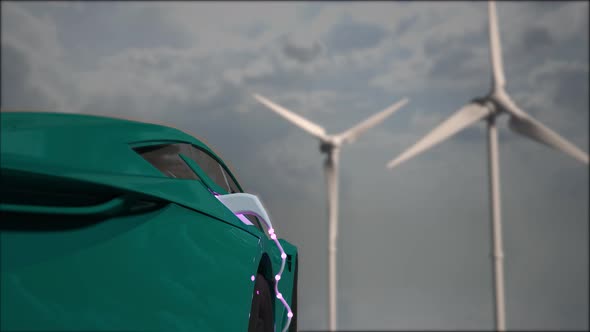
(496, 103)
(330, 145)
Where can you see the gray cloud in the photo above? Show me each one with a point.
(349, 35)
(537, 37)
(451, 65)
(565, 86)
(301, 53)
(538, 7)
(572, 91)
(255, 30)
(414, 241)
(405, 25)
(18, 91)
(113, 27)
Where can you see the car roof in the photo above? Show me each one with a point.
(22, 130)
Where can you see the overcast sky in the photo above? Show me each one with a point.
(414, 241)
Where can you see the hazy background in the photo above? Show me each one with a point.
(415, 241)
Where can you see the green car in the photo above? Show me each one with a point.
(116, 225)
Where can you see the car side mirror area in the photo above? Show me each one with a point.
(243, 203)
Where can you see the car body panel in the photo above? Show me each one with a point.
(128, 267)
(186, 265)
(189, 193)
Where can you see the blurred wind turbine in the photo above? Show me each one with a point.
(489, 107)
(330, 145)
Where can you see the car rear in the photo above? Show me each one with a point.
(93, 238)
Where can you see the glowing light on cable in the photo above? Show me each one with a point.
(273, 236)
(244, 219)
(252, 278)
(283, 259)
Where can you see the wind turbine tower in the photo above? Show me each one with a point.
(330, 146)
(496, 103)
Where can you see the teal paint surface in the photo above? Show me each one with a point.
(185, 266)
(169, 271)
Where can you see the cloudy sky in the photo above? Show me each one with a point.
(414, 241)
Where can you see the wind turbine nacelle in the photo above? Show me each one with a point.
(326, 147)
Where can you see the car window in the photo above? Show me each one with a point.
(209, 165)
(213, 169)
(165, 157)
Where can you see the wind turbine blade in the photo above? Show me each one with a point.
(463, 118)
(531, 128)
(495, 48)
(298, 120)
(353, 133)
